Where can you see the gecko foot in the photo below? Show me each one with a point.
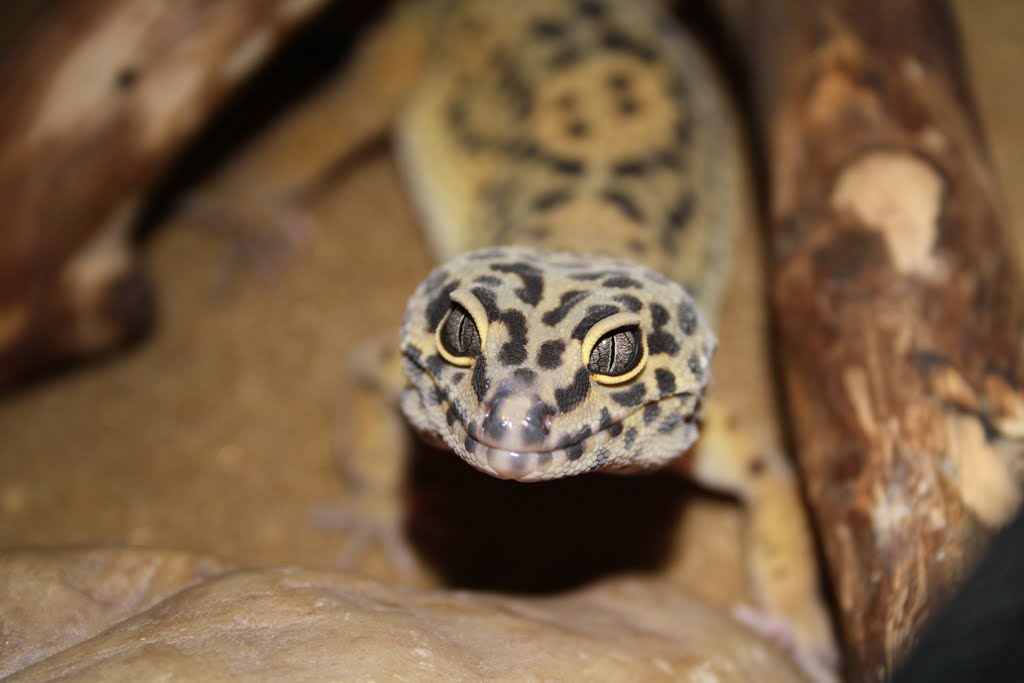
(260, 238)
(816, 657)
(365, 530)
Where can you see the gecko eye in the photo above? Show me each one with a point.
(616, 353)
(458, 338)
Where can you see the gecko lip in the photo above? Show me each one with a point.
(526, 466)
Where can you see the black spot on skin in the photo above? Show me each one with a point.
(591, 8)
(601, 457)
(436, 364)
(533, 281)
(756, 467)
(549, 356)
(525, 375)
(666, 381)
(659, 316)
(695, 368)
(513, 86)
(624, 203)
(436, 397)
(479, 381)
(595, 314)
(571, 396)
(566, 101)
(629, 301)
(615, 429)
(451, 416)
(677, 88)
(550, 200)
(489, 280)
(661, 341)
(519, 149)
(513, 352)
(548, 28)
(413, 353)
(630, 437)
(619, 81)
(469, 444)
(651, 413)
(457, 377)
(669, 160)
(684, 132)
(456, 115)
(471, 429)
(572, 167)
(565, 304)
(581, 435)
(606, 420)
(543, 460)
(488, 301)
(622, 282)
(574, 452)
(577, 129)
(679, 216)
(630, 167)
(414, 371)
(628, 106)
(670, 423)
(687, 318)
(565, 57)
(439, 305)
(630, 398)
(615, 41)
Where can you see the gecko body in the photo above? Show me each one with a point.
(580, 173)
(594, 137)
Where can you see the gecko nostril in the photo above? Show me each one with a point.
(537, 421)
(494, 424)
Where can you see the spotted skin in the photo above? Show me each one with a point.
(530, 410)
(580, 176)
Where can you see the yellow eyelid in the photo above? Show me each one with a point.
(476, 311)
(603, 327)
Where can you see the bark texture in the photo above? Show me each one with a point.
(95, 99)
(896, 299)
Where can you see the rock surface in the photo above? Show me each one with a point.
(120, 617)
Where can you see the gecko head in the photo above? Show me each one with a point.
(535, 365)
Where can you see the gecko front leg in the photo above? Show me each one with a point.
(371, 444)
(781, 557)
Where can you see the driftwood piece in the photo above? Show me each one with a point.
(897, 303)
(95, 100)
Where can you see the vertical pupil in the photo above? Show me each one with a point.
(464, 334)
(612, 351)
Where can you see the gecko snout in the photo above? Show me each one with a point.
(516, 420)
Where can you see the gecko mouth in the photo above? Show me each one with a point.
(594, 452)
(583, 456)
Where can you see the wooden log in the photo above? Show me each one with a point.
(95, 100)
(898, 306)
